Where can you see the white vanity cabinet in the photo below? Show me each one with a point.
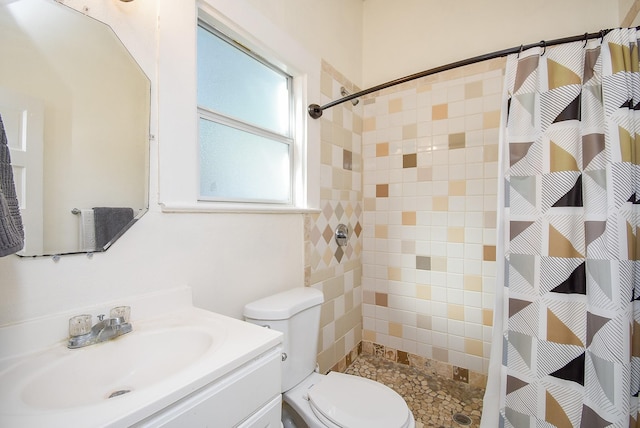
(248, 397)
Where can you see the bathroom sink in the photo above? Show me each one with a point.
(121, 382)
(111, 369)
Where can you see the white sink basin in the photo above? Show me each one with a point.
(123, 381)
(111, 369)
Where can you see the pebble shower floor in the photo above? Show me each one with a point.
(436, 402)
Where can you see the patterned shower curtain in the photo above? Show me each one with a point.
(571, 296)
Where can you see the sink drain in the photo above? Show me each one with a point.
(118, 392)
(461, 419)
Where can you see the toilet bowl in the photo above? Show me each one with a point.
(311, 399)
(338, 400)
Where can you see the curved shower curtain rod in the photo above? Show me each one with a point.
(315, 110)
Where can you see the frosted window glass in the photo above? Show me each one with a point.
(234, 83)
(238, 165)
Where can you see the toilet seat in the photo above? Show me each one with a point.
(343, 401)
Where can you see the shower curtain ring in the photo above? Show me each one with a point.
(544, 47)
(586, 38)
(520, 51)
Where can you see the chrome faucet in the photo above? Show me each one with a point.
(82, 334)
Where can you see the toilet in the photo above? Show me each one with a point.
(311, 399)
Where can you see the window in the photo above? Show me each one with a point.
(245, 111)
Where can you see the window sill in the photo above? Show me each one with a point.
(234, 208)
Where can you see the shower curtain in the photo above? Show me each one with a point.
(567, 333)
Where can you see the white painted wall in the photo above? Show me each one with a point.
(331, 29)
(416, 35)
(227, 259)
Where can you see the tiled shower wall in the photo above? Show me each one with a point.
(335, 270)
(430, 160)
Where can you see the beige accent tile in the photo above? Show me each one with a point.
(489, 253)
(369, 124)
(395, 105)
(455, 312)
(439, 264)
(348, 301)
(442, 355)
(382, 190)
(369, 335)
(382, 149)
(491, 119)
(455, 234)
(381, 231)
(326, 313)
(473, 90)
(394, 273)
(423, 292)
(457, 141)
(369, 204)
(368, 297)
(457, 188)
(425, 174)
(381, 299)
(410, 131)
(409, 218)
(326, 84)
(326, 153)
(473, 347)
(440, 203)
(487, 317)
(395, 329)
(490, 219)
(410, 160)
(408, 247)
(473, 282)
(490, 153)
(424, 321)
(322, 275)
(333, 288)
(440, 111)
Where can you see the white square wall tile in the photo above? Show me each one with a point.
(440, 340)
(456, 343)
(424, 350)
(457, 359)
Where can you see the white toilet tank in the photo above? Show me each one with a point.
(295, 313)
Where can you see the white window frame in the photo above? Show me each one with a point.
(241, 125)
(178, 178)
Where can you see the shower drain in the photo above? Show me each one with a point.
(461, 419)
(118, 392)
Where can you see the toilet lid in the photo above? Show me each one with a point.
(352, 401)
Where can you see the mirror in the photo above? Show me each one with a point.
(75, 107)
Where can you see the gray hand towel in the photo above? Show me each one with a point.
(11, 230)
(110, 223)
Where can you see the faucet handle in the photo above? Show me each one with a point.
(79, 325)
(123, 312)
